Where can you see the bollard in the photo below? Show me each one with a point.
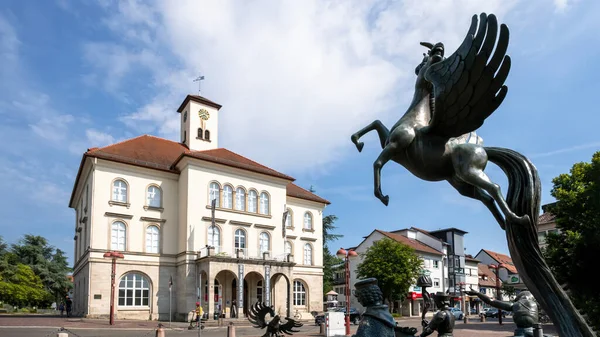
(466, 319)
(62, 334)
(231, 330)
(160, 332)
(482, 316)
(322, 329)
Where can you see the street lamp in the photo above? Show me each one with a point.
(346, 256)
(497, 268)
(114, 256)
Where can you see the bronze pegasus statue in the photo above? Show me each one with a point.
(258, 317)
(435, 140)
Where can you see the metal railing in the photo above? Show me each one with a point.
(243, 253)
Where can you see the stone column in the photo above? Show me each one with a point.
(211, 295)
(240, 290)
(267, 289)
(290, 296)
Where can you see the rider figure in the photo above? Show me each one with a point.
(199, 313)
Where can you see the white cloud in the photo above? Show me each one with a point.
(296, 78)
(98, 138)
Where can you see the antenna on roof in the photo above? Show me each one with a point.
(199, 79)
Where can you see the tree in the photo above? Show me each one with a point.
(396, 267)
(48, 263)
(572, 252)
(21, 286)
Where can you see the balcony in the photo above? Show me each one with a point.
(243, 253)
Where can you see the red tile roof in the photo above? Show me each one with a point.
(504, 259)
(546, 218)
(484, 270)
(162, 154)
(469, 257)
(416, 245)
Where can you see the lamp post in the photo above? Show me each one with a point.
(114, 256)
(497, 268)
(346, 256)
(462, 298)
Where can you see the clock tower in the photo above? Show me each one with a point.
(199, 123)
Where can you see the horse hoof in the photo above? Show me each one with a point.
(360, 146)
(385, 199)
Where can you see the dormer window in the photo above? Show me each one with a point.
(207, 135)
(200, 134)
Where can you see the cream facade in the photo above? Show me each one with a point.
(150, 199)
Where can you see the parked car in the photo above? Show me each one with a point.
(458, 314)
(493, 312)
(355, 316)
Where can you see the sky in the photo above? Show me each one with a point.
(296, 79)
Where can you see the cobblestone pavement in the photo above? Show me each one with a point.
(47, 326)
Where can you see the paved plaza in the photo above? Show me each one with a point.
(48, 326)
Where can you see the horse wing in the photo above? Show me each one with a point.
(289, 326)
(466, 87)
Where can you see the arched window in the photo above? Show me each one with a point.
(299, 293)
(207, 135)
(264, 242)
(119, 191)
(153, 196)
(264, 203)
(289, 220)
(288, 248)
(308, 221)
(252, 196)
(200, 134)
(214, 237)
(227, 197)
(308, 254)
(118, 234)
(214, 193)
(259, 291)
(240, 240)
(240, 199)
(152, 237)
(134, 291)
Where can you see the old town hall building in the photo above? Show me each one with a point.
(150, 199)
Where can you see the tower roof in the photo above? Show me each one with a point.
(199, 99)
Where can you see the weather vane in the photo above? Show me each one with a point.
(199, 79)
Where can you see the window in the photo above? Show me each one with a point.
(288, 220)
(134, 291)
(252, 201)
(240, 199)
(263, 242)
(153, 196)
(118, 236)
(436, 264)
(214, 236)
(264, 203)
(436, 282)
(288, 247)
(207, 135)
(119, 191)
(299, 293)
(427, 263)
(308, 221)
(240, 239)
(200, 133)
(152, 239)
(259, 292)
(482, 290)
(227, 197)
(214, 193)
(307, 254)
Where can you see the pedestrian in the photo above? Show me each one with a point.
(61, 308)
(69, 305)
(199, 313)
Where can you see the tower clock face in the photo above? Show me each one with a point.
(185, 116)
(203, 113)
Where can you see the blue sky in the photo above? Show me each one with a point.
(295, 79)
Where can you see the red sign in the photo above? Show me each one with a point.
(414, 295)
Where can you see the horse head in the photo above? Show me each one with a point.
(434, 55)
